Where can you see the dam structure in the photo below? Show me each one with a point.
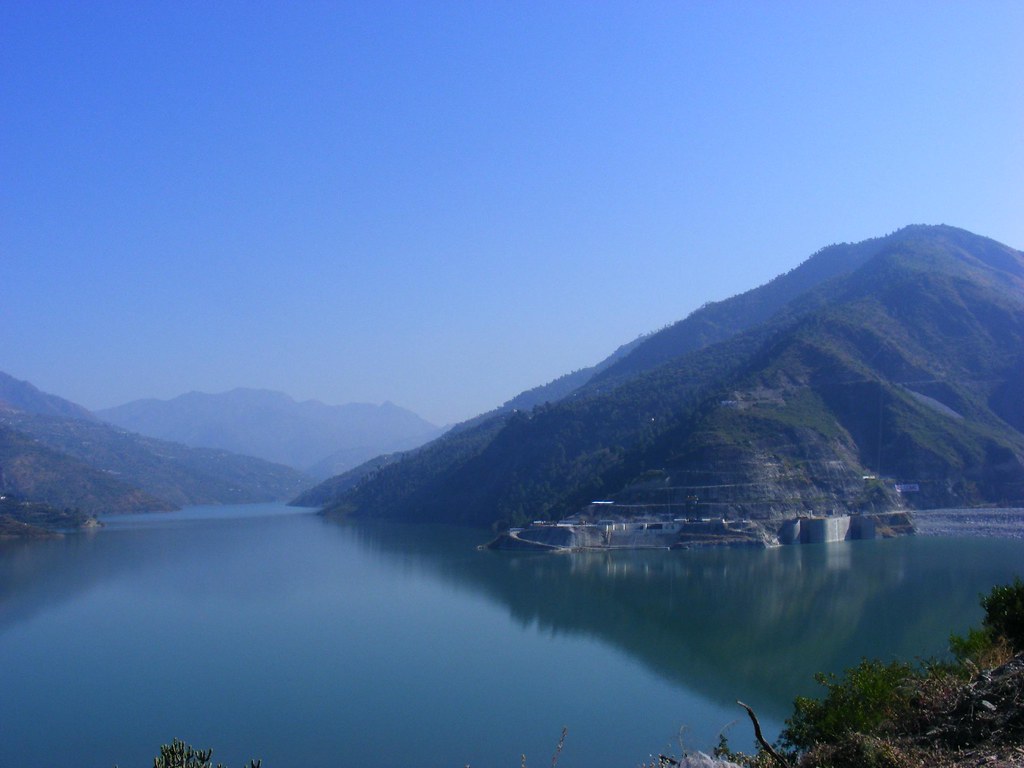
(825, 530)
(580, 534)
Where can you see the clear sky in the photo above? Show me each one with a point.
(442, 204)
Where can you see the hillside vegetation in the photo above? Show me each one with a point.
(896, 361)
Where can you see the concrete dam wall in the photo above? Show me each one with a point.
(826, 530)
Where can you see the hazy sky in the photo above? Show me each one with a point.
(443, 204)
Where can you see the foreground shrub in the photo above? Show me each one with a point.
(1004, 613)
(1002, 630)
(178, 754)
(865, 699)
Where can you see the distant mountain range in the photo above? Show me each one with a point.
(877, 374)
(320, 440)
(55, 454)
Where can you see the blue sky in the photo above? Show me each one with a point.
(443, 204)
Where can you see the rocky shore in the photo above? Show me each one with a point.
(1007, 523)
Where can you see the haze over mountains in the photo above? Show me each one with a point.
(877, 374)
(59, 463)
(320, 440)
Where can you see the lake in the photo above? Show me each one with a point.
(265, 631)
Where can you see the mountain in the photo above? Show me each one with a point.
(321, 440)
(59, 463)
(18, 395)
(878, 374)
(174, 474)
(52, 490)
(333, 487)
(43, 490)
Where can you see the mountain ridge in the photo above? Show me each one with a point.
(789, 401)
(17, 395)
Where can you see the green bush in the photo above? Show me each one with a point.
(1002, 630)
(861, 701)
(1004, 613)
(975, 647)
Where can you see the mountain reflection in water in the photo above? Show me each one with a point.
(732, 623)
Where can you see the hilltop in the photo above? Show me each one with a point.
(874, 375)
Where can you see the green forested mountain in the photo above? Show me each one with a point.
(31, 471)
(896, 361)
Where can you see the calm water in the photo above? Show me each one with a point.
(268, 632)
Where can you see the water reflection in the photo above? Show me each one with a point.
(727, 624)
(731, 624)
(35, 575)
(38, 575)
